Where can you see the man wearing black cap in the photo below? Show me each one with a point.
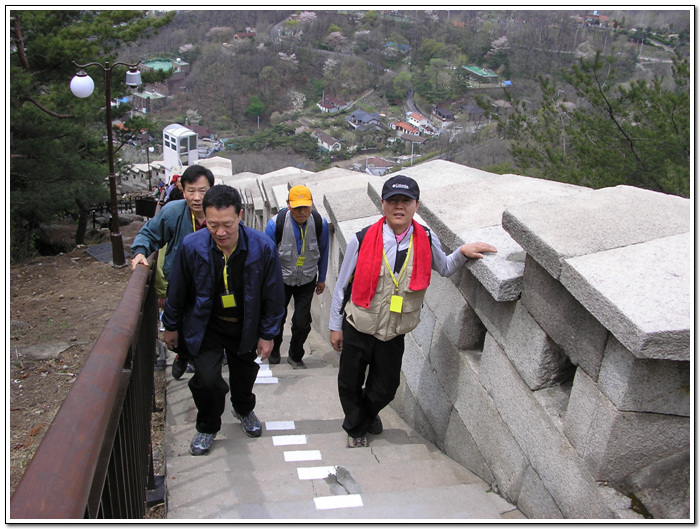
(377, 300)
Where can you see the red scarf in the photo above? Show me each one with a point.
(370, 262)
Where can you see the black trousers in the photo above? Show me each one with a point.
(208, 386)
(376, 364)
(301, 319)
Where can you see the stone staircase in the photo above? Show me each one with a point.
(301, 469)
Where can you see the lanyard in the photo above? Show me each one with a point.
(303, 238)
(226, 266)
(403, 268)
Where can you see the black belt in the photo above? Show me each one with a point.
(225, 318)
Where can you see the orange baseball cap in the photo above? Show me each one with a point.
(299, 196)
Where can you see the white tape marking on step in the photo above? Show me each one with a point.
(286, 440)
(280, 425)
(338, 502)
(316, 472)
(302, 455)
(267, 380)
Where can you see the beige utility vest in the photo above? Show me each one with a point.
(378, 320)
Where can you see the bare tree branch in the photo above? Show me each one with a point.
(49, 112)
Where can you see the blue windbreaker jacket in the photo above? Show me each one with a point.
(192, 289)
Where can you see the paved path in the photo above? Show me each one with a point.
(300, 469)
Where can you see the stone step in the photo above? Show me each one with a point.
(279, 480)
(456, 502)
(233, 450)
(247, 471)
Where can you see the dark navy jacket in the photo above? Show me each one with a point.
(192, 289)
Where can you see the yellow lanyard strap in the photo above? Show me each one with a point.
(303, 239)
(403, 268)
(226, 266)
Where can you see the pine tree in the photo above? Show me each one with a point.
(636, 133)
(58, 158)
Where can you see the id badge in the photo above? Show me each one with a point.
(300, 261)
(228, 301)
(396, 304)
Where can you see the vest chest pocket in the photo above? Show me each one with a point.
(285, 253)
(410, 313)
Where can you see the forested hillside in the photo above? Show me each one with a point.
(346, 53)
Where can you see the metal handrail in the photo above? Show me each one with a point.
(96, 458)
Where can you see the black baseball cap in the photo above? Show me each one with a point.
(400, 185)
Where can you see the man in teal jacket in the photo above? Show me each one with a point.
(173, 222)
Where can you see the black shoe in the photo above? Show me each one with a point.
(376, 427)
(274, 357)
(296, 364)
(179, 367)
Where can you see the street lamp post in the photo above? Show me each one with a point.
(149, 150)
(412, 144)
(82, 86)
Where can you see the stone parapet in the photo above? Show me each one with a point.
(640, 292)
(554, 229)
(563, 318)
(634, 384)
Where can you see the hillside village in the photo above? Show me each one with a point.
(413, 130)
(364, 126)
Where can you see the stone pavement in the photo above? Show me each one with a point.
(300, 469)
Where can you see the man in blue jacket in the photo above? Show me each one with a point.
(226, 296)
(175, 219)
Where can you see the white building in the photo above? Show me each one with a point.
(179, 149)
(416, 119)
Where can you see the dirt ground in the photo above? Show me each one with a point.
(65, 298)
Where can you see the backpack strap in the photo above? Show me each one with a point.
(318, 221)
(279, 226)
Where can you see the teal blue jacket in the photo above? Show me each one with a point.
(172, 223)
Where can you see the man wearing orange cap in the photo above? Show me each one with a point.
(301, 236)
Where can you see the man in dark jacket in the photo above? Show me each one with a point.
(227, 296)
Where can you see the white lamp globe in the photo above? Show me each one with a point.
(82, 85)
